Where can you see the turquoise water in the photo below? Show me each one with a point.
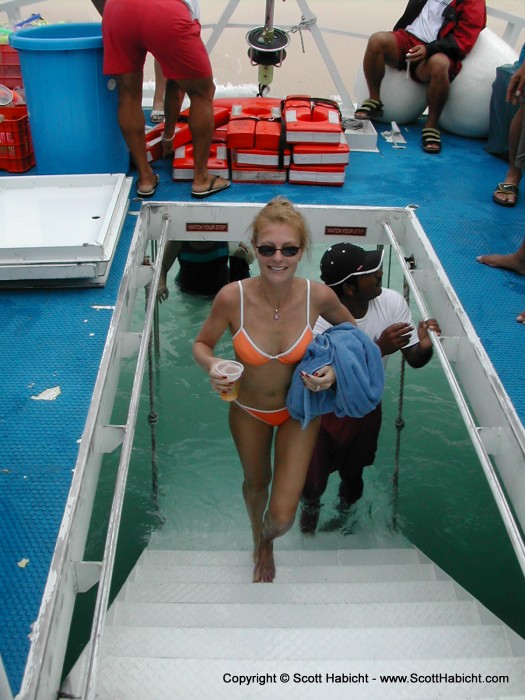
(445, 505)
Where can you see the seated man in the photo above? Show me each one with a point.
(506, 193)
(346, 444)
(433, 37)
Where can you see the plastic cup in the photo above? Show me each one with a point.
(233, 370)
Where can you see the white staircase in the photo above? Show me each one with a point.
(188, 624)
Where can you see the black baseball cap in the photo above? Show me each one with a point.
(344, 260)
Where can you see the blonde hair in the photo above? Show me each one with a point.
(281, 210)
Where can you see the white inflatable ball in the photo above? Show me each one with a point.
(467, 110)
(404, 100)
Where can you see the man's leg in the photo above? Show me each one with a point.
(316, 482)
(173, 99)
(201, 123)
(506, 194)
(435, 73)
(131, 120)
(157, 114)
(515, 262)
(381, 50)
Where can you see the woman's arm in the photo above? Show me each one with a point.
(171, 251)
(330, 308)
(329, 305)
(212, 330)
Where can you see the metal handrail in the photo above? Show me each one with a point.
(502, 503)
(89, 681)
(515, 25)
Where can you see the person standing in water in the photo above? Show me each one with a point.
(270, 317)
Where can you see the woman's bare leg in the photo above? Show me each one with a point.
(253, 440)
(293, 449)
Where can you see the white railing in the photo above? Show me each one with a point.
(514, 26)
(69, 573)
(477, 433)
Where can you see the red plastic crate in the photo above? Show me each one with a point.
(10, 73)
(16, 147)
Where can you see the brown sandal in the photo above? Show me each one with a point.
(507, 189)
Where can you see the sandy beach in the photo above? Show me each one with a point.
(303, 70)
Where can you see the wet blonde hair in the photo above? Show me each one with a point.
(281, 210)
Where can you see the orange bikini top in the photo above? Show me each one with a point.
(250, 354)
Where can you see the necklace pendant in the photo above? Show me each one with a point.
(276, 316)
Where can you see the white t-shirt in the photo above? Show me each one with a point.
(426, 27)
(194, 8)
(383, 311)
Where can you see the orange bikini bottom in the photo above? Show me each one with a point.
(274, 418)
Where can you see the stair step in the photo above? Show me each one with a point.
(287, 574)
(315, 615)
(371, 592)
(184, 620)
(169, 557)
(166, 679)
(301, 643)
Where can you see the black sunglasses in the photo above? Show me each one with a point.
(288, 251)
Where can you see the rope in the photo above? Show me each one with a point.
(303, 24)
(400, 424)
(152, 420)
(152, 416)
(352, 124)
(156, 319)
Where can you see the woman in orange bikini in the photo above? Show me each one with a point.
(270, 318)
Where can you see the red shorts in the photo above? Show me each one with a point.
(164, 28)
(406, 41)
(346, 445)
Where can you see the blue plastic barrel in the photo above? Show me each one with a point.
(72, 106)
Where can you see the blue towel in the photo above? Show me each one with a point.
(358, 366)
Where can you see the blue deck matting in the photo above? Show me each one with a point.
(49, 338)
(55, 338)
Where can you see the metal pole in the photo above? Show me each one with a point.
(268, 18)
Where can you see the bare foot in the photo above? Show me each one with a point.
(264, 571)
(521, 317)
(511, 261)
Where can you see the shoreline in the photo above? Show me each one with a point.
(231, 66)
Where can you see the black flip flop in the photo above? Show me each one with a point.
(210, 191)
(146, 195)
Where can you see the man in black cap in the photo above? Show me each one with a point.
(346, 444)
